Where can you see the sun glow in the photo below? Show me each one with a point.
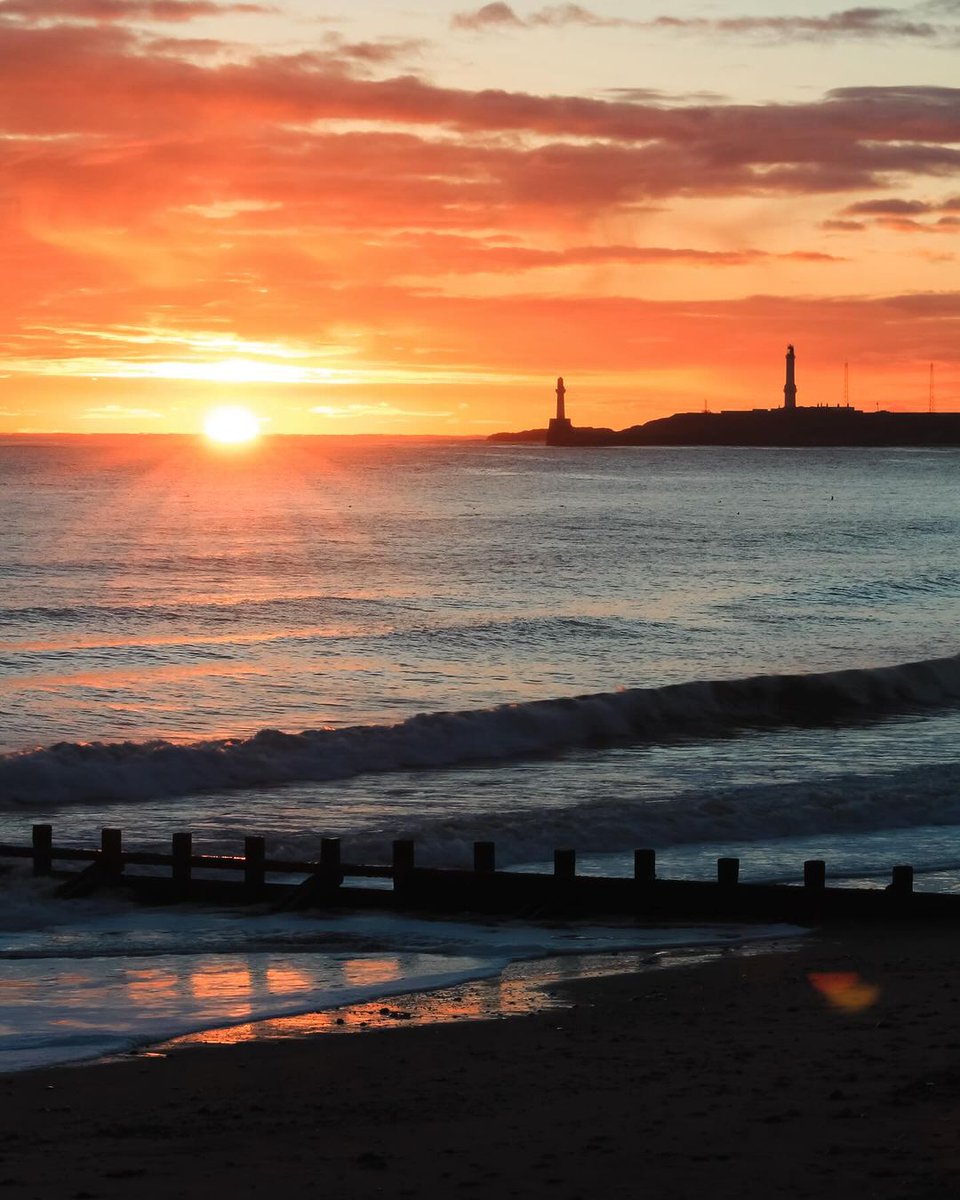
(231, 425)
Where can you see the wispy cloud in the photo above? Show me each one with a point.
(44, 11)
(555, 16)
(901, 215)
(859, 24)
(121, 412)
(370, 219)
(382, 411)
(855, 24)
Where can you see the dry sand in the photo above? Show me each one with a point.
(830, 1072)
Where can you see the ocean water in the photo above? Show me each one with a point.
(373, 639)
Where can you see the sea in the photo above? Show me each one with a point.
(707, 651)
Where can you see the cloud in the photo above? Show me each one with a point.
(381, 411)
(44, 11)
(886, 207)
(442, 254)
(122, 412)
(490, 15)
(327, 203)
(377, 53)
(554, 16)
(250, 119)
(852, 23)
(901, 215)
(861, 23)
(656, 96)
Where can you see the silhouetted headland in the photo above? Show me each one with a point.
(790, 425)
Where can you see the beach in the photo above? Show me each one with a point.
(714, 654)
(820, 1070)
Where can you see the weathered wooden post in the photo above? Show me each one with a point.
(728, 872)
(815, 874)
(404, 861)
(254, 857)
(565, 864)
(484, 858)
(181, 854)
(42, 849)
(330, 870)
(644, 866)
(404, 856)
(111, 853)
(901, 882)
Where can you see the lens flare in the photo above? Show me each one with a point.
(845, 990)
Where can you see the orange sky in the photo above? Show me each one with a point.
(410, 220)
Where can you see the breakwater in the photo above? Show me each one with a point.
(333, 882)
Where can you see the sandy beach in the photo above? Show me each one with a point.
(821, 1072)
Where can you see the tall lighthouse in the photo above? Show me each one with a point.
(790, 387)
(558, 431)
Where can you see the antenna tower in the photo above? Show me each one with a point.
(846, 385)
(931, 406)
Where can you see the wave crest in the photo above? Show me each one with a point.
(72, 772)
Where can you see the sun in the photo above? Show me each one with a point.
(231, 424)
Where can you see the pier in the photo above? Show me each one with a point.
(331, 882)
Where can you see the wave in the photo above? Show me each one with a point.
(887, 588)
(219, 610)
(847, 802)
(71, 772)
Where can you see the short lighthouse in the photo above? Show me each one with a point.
(790, 387)
(559, 426)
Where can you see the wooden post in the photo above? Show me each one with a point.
(182, 854)
(330, 861)
(404, 858)
(565, 864)
(815, 874)
(902, 881)
(484, 858)
(728, 872)
(111, 853)
(42, 849)
(644, 866)
(255, 853)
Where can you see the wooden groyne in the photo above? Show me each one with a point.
(330, 882)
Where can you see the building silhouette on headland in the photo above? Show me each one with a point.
(789, 425)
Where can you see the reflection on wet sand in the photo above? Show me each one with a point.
(522, 988)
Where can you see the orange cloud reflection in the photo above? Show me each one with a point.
(481, 1000)
(151, 987)
(221, 982)
(361, 972)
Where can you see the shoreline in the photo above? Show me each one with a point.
(526, 987)
(797, 1075)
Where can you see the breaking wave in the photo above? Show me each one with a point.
(84, 772)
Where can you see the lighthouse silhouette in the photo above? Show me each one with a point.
(790, 387)
(559, 427)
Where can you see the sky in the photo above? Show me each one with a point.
(410, 218)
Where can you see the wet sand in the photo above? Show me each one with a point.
(827, 1072)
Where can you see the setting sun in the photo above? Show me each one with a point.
(231, 424)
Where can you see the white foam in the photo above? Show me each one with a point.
(71, 772)
(110, 976)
